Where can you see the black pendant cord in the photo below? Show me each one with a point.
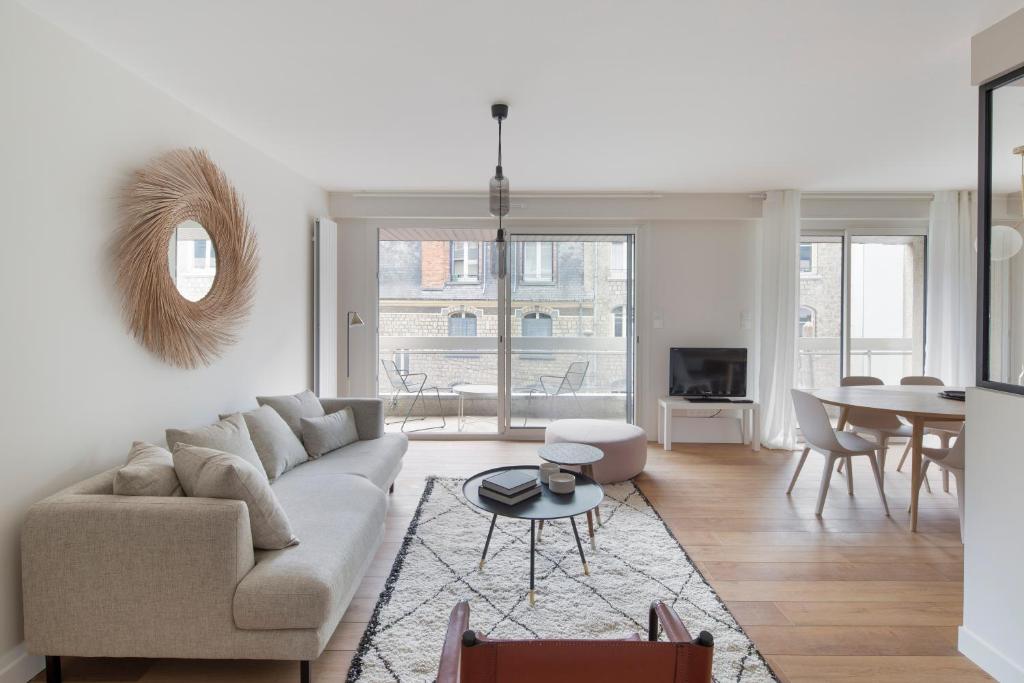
(499, 144)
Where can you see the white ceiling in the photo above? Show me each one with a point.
(736, 95)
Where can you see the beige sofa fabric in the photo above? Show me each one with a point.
(379, 460)
(340, 519)
(208, 473)
(230, 435)
(149, 472)
(328, 433)
(294, 408)
(277, 446)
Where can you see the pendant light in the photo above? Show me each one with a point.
(499, 201)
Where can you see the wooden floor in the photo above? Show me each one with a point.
(849, 597)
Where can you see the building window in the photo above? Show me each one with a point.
(538, 261)
(617, 267)
(807, 321)
(536, 325)
(465, 262)
(807, 265)
(462, 324)
(618, 322)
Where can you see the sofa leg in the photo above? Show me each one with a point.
(304, 671)
(392, 489)
(53, 670)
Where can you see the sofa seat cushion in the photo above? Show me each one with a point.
(378, 460)
(340, 519)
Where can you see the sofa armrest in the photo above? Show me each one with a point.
(369, 414)
(106, 575)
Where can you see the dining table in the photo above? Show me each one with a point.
(918, 405)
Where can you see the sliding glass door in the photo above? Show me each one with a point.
(570, 328)
(861, 307)
(463, 352)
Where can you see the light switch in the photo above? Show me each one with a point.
(658, 323)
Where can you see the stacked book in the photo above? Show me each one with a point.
(511, 486)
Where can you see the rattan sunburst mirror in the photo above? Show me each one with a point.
(186, 258)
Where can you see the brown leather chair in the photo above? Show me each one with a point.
(469, 657)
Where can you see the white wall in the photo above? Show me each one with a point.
(993, 628)
(698, 278)
(76, 388)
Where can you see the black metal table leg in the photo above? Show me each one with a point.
(494, 518)
(533, 526)
(579, 546)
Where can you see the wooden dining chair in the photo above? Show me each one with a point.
(946, 431)
(834, 445)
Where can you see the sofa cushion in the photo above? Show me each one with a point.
(278, 447)
(341, 521)
(294, 408)
(378, 460)
(229, 435)
(330, 432)
(207, 473)
(149, 472)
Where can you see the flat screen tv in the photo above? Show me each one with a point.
(708, 372)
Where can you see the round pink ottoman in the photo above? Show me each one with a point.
(624, 445)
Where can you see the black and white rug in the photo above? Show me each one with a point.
(637, 561)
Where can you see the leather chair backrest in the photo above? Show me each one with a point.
(585, 661)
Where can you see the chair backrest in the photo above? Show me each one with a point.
(922, 380)
(585, 661)
(865, 417)
(814, 422)
(576, 373)
(394, 376)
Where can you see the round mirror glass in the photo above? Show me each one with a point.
(192, 260)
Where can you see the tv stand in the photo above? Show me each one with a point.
(748, 413)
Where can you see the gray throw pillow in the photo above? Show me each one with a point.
(294, 408)
(208, 473)
(229, 435)
(278, 447)
(149, 472)
(323, 434)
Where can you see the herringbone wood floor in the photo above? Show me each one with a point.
(851, 596)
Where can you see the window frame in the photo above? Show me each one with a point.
(454, 258)
(524, 277)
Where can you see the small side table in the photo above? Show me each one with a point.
(746, 412)
(575, 455)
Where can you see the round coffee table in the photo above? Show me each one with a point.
(548, 505)
(577, 455)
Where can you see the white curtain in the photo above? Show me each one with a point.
(952, 282)
(780, 289)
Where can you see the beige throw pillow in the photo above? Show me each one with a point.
(229, 435)
(149, 472)
(323, 434)
(294, 408)
(208, 473)
(278, 447)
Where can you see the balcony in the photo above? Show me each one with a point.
(453, 362)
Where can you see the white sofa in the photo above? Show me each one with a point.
(136, 576)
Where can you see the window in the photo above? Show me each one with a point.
(807, 317)
(536, 325)
(807, 265)
(538, 261)
(462, 324)
(617, 268)
(465, 262)
(618, 322)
